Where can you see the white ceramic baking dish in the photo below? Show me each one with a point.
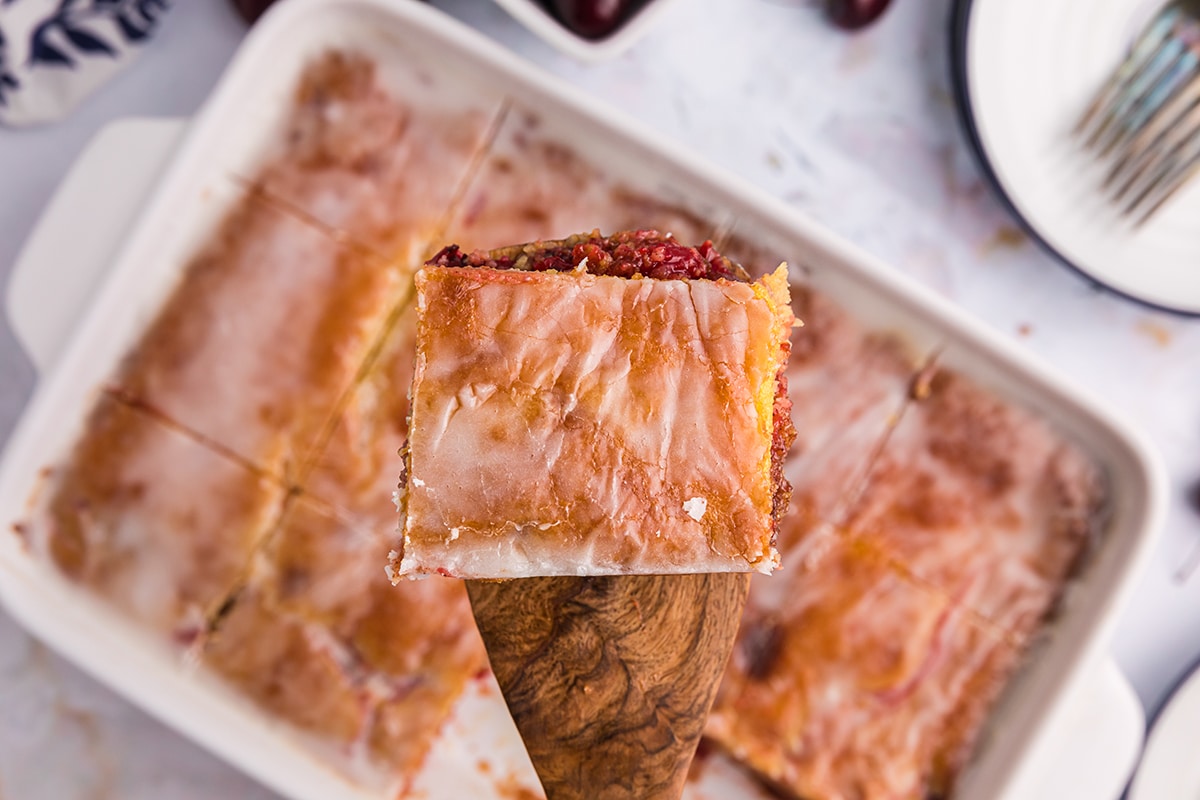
(77, 338)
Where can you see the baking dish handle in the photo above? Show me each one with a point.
(81, 230)
(1092, 744)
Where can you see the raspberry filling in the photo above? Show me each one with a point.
(623, 255)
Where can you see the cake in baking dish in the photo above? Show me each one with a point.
(849, 680)
(981, 500)
(362, 183)
(152, 519)
(595, 406)
(232, 488)
(319, 636)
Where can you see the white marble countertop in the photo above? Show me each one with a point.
(859, 131)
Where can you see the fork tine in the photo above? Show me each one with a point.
(1163, 117)
(1160, 65)
(1153, 140)
(1158, 165)
(1161, 93)
(1175, 173)
(1139, 55)
(1144, 122)
(1178, 180)
(1141, 190)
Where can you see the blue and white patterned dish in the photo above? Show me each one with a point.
(54, 53)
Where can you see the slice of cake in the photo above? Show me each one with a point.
(595, 406)
(982, 500)
(319, 637)
(850, 681)
(151, 519)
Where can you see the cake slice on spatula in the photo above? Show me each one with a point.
(604, 419)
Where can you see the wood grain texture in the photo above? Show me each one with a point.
(609, 679)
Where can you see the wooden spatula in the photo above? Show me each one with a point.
(609, 679)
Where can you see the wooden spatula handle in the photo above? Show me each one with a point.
(607, 695)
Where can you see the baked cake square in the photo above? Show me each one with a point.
(585, 408)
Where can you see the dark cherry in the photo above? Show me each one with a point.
(592, 19)
(855, 14)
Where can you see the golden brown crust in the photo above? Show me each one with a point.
(379, 164)
(328, 569)
(828, 701)
(355, 471)
(326, 241)
(320, 637)
(262, 379)
(983, 501)
(158, 523)
(286, 667)
(570, 422)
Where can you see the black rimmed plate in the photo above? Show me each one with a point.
(1023, 71)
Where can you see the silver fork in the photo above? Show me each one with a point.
(1144, 123)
